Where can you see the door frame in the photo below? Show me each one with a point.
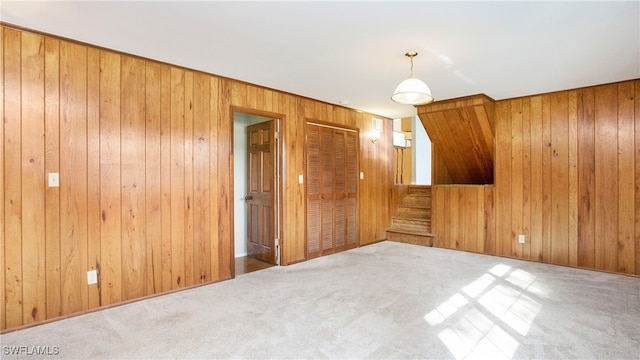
(279, 175)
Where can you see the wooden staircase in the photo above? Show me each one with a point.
(412, 222)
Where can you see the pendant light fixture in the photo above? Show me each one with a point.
(412, 91)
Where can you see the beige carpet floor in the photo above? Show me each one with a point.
(383, 301)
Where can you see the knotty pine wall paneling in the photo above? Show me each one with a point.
(144, 155)
(128, 175)
(463, 217)
(567, 177)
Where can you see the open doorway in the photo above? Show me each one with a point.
(412, 152)
(256, 192)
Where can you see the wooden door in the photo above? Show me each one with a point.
(261, 191)
(332, 189)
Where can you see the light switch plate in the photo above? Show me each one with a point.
(361, 175)
(92, 277)
(54, 179)
(300, 179)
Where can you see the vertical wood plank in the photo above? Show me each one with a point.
(293, 245)
(132, 153)
(201, 196)
(218, 96)
(454, 214)
(52, 165)
(13, 179)
(436, 215)
(517, 181)
(560, 179)
(462, 219)
(3, 316)
(626, 178)
(573, 178)
(503, 178)
(110, 183)
(177, 196)
(586, 178)
(188, 179)
(490, 220)
(153, 177)
(606, 184)
(547, 179)
(536, 204)
(472, 208)
(224, 163)
(481, 221)
(73, 176)
(33, 185)
(526, 178)
(636, 123)
(165, 168)
(93, 171)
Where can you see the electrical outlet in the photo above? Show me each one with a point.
(521, 239)
(54, 180)
(92, 277)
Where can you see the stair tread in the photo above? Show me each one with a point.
(410, 218)
(414, 206)
(409, 231)
(412, 221)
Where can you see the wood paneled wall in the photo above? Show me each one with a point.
(463, 217)
(144, 152)
(462, 133)
(567, 177)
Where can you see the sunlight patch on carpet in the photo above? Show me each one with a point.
(485, 319)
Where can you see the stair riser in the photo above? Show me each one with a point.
(417, 201)
(422, 190)
(411, 228)
(410, 212)
(403, 221)
(410, 239)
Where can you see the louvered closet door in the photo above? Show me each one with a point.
(332, 189)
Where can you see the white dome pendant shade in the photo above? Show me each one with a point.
(412, 91)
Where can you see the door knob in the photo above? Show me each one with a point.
(248, 197)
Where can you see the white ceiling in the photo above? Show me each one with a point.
(353, 52)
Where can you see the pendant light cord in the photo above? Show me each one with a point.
(411, 55)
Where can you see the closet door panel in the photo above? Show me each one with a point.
(327, 226)
(313, 228)
(352, 222)
(332, 189)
